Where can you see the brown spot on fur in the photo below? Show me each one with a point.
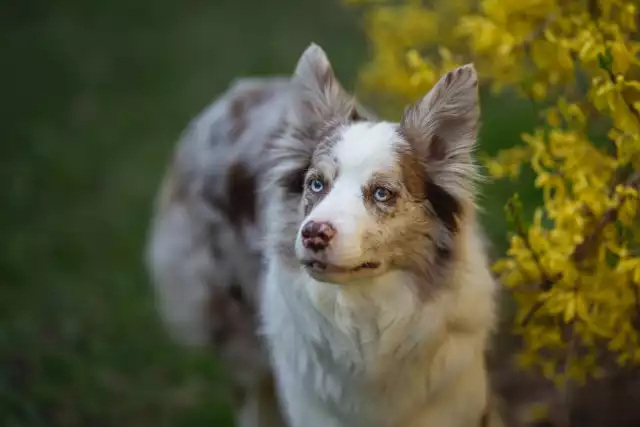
(485, 419)
(240, 108)
(229, 311)
(445, 206)
(241, 195)
(262, 398)
(414, 173)
(355, 115)
(215, 249)
(219, 307)
(447, 78)
(294, 181)
(239, 396)
(238, 200)
(436, 248)
(421, 187)
(437, 148)
(236, 293)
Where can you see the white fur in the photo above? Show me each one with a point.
(180, 272)
(373, 354)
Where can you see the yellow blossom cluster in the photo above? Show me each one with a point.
(574, 270)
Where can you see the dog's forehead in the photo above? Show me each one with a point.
(364, 149)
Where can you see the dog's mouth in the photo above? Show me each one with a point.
(323, 267)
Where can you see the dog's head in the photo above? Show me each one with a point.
(355, 197)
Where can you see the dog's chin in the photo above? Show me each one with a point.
(331, 273)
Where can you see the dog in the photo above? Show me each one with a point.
(333, 260)
(378, 301)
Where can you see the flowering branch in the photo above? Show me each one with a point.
(582, 250)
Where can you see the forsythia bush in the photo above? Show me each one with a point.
(575, 270)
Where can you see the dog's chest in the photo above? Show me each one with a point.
(361, 351)
(370, 326)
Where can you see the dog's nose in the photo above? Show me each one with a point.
(316, 235)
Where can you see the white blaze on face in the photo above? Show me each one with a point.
(363, 151)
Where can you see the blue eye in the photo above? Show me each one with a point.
(316, 185)
(381, 194)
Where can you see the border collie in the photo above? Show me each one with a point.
(333, 259)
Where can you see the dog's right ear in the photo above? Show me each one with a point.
(318, 95)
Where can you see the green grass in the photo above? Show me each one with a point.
(94, 96)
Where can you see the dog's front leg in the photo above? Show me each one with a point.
(259, 406)
(304, 409)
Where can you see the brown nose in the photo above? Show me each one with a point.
(316, 235)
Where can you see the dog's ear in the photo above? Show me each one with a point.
(318, 95)
(443, 128)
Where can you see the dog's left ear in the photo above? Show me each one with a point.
(443, 128)
(318, 95)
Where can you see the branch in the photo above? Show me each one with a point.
(546, 281)
(532, 312)
(567, 390)
(539, 30)
(582, 250)
(594, 10)
(610, 216)
(613, 78)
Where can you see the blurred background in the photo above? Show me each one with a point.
(94, 96)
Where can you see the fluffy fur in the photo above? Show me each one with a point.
(356, 239)
(387, 324)
(204, 253)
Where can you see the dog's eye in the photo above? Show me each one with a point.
(381, 194)
(316, 185)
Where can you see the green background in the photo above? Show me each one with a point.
(94, 95)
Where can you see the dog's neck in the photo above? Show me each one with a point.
(372, 323)
(382, 319)
(371, 296)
